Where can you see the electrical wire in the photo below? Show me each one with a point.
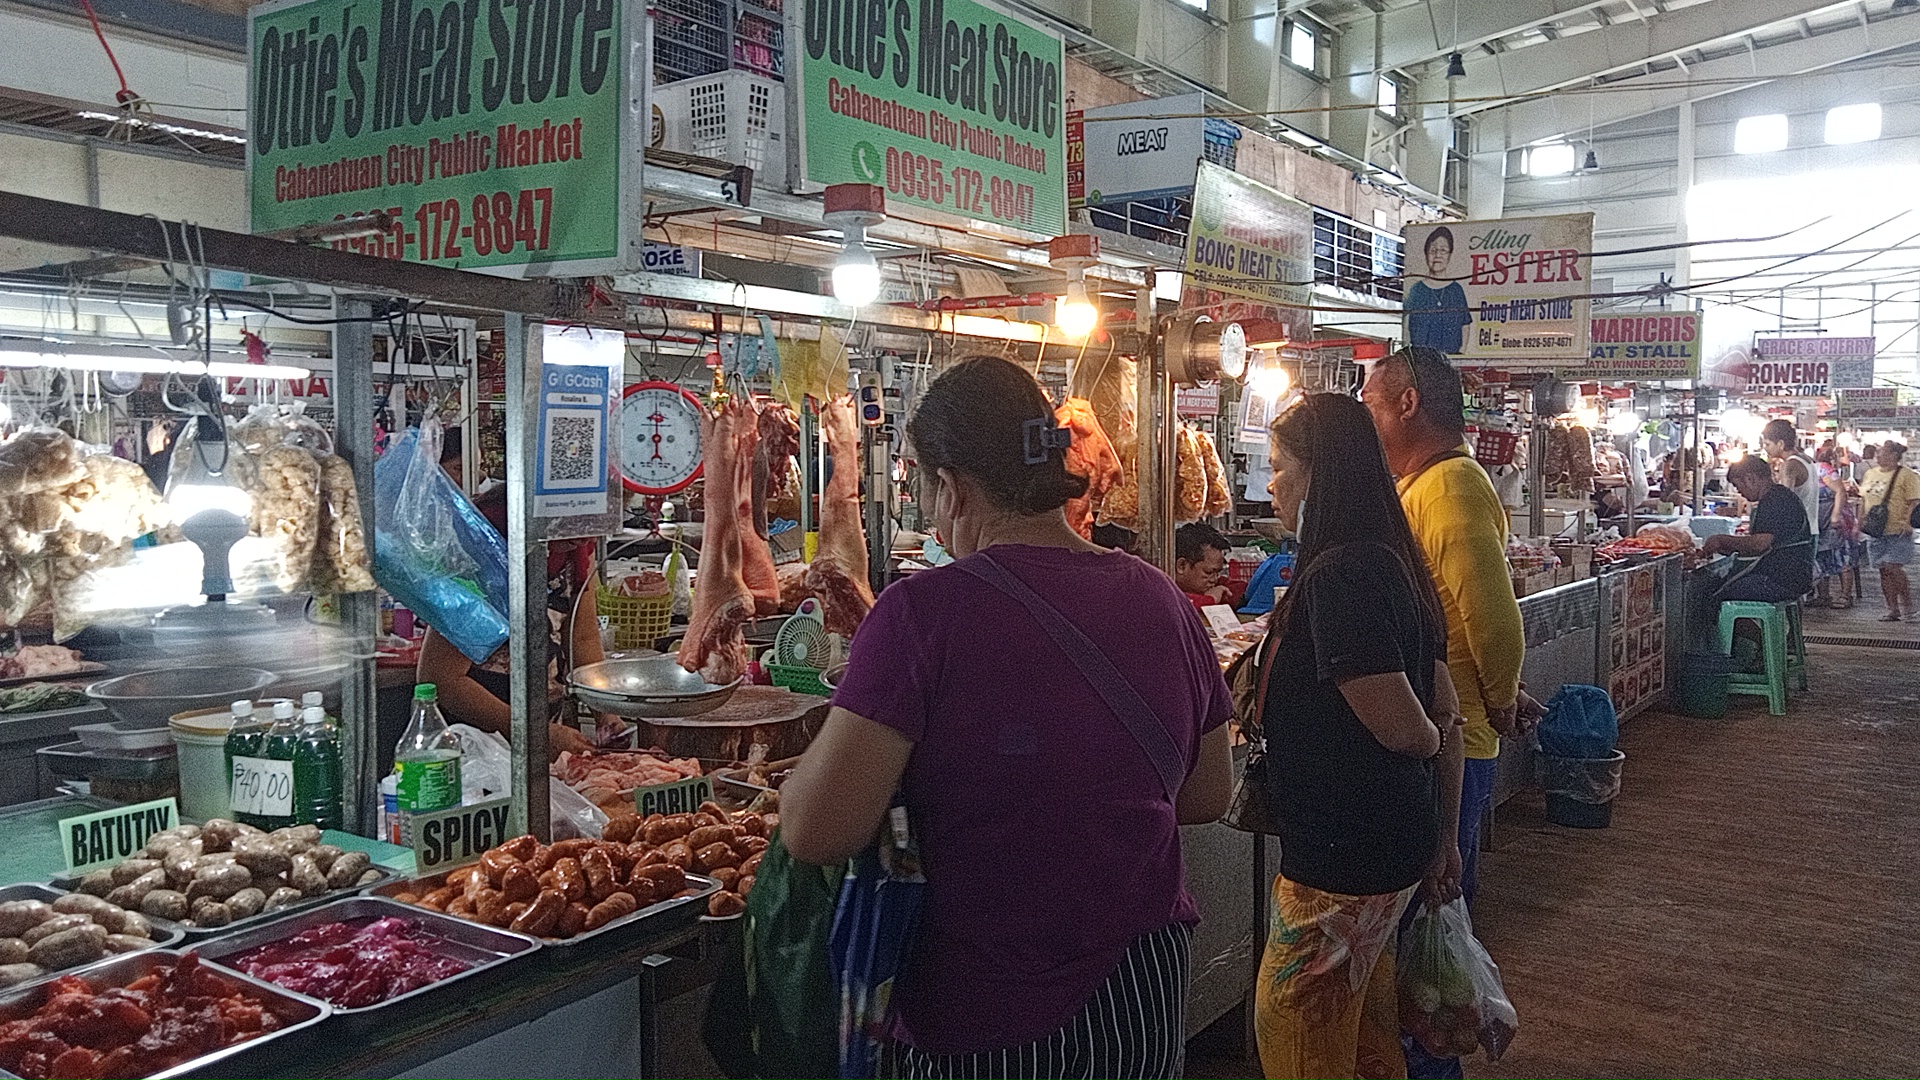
(126, 96)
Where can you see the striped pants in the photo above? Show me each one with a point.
(1133, 1026)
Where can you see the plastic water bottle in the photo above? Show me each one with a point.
(280, 744)
(312, 700)
(246, 737)
(316, 771)
(426, 761)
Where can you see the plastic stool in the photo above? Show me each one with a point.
(1773, 632)
(1797, 644)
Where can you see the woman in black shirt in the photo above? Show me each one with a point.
(1359, 713)
(1777, 552)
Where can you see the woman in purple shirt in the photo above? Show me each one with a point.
(1054, 936)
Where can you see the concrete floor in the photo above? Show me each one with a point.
(1743, 916)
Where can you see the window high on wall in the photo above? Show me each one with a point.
(1853, 123)
(1387, 96)
(1303, 46)
(1760, 134)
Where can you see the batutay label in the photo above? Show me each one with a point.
(948, 104)
(104, 838)
(490, 129)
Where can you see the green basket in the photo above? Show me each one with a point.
(801, 680)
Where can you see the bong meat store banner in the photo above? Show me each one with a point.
(1651, 346)
(1510, 291)
(1249, 252)
(492, 130)
(948, 104)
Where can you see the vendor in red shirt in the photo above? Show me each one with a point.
(1200, 564)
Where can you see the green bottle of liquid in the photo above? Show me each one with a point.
(246, 738)
(279, 802)
(316, 771)
(426, 761)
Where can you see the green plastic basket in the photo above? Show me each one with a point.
(800, 680)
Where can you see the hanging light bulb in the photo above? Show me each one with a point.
(853, 208)
(1270, 383)
(856, 274)
(1456, 66)
(1075, 313)
(1623, 423)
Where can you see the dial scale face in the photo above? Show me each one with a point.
(660, 451)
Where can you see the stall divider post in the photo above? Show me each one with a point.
(809, 470)
(1153, 410)
(359, 612)
(1537, 460)
(526, 585)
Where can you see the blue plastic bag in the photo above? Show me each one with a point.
(1580, 723)
(1275, 573)
(434, 551)
(873, 931)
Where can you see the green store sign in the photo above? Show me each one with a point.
(492, 130)
(951, 105)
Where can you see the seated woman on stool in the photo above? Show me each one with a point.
(1776, 555)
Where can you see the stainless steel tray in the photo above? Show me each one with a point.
(295, 1011)
(196, 934)
(482, 946)
(665, 915)
(170, 933)
(76, 759)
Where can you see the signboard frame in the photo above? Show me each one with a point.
(1820, 355)
(1494, 280)
(630, 50)
(1649, 337)
(1248, 279)
(1185, 139)
(800, 172)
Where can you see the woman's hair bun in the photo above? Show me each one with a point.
(974, 419)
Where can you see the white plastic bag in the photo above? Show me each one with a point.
(486, 771)
(1451, 998)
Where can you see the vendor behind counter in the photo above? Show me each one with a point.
(477, 694)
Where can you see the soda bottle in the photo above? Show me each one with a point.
(426, 761)
(316, 771)
(246, 737)
(312, 699)
(279, 799)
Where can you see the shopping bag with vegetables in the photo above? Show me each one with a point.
(1451, 999)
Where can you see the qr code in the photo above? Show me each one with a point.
(573, 449)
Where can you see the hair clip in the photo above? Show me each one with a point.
(1042, 435)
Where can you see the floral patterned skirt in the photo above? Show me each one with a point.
(1324, 1005)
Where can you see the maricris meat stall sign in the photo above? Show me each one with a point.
(493, 131)
(949, 104)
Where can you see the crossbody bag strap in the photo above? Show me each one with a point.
(1139, 718)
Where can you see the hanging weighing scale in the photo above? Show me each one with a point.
(660, 452)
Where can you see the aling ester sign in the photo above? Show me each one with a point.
(948, 104)
(493, 131)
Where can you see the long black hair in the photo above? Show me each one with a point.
(1351, 498)
(974, 419)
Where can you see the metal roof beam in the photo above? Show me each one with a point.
(1545, 118)
(1624, 46)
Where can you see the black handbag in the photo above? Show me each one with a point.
(1875, 523)
(1247, 678)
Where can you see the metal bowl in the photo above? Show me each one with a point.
(831, 677)
(646, 688)
(150, 698)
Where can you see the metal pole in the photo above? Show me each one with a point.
(809, 466)
(526, 584)
(1147, 426)
(359, 612)
(1537, 465)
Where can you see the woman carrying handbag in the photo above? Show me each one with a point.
(1050, 712)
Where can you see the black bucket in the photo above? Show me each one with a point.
(1580, 791)
(1703, 684)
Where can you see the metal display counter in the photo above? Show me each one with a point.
(1623, 631)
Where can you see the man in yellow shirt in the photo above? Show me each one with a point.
(1414, 396)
